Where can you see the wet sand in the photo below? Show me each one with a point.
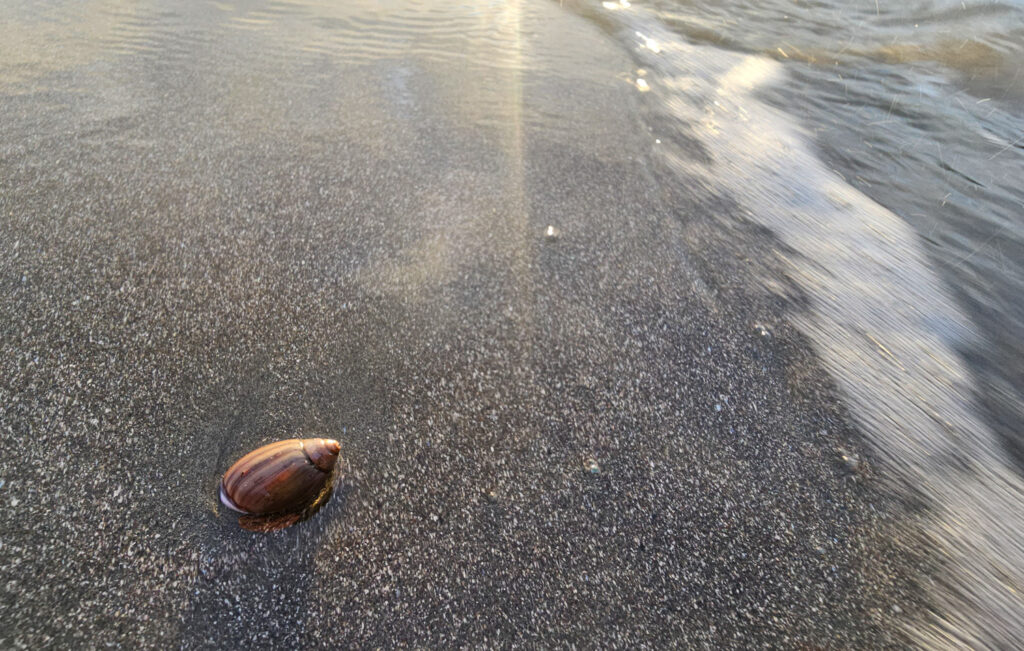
(611, 437)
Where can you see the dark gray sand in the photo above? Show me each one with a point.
(606, 438)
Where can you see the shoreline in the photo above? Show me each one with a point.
(190, 273)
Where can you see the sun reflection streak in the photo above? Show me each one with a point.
(520, 240)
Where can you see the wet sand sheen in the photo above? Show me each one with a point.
(216, 249)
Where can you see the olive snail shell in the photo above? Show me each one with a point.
(282, 477)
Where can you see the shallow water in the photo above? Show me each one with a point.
(919, 106)
(882, 145)
(227, 223)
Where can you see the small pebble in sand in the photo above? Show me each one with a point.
(851, 461)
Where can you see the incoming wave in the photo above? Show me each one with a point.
(878, 315)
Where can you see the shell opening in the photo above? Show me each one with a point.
(226, 501)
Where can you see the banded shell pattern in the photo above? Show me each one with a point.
(284, 477)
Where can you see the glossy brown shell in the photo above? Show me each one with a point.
(282, 477)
